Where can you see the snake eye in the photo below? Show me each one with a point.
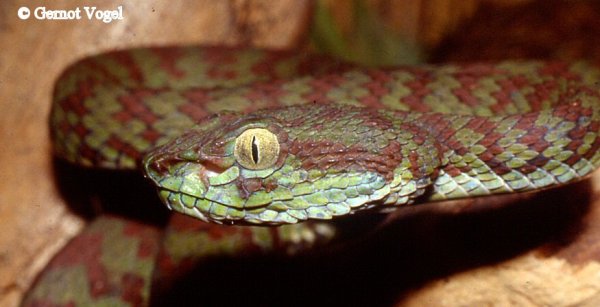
(256, 149)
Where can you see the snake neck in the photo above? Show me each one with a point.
(502, 154)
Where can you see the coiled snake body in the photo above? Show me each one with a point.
(304, 137)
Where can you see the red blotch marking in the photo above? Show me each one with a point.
(486, 156)
(195, 108)
(267, 92)
(451, 170)
(45, 303)
(475, 123)
(527, 168)
(507, 87)
(464, 94)
(571, 112)
(558, 69)
(487, 127)
(419, 90)
(166, 266)
(372, 102)
(577, 133)
(587, 112)
(413, 158)
(445, 135)
(457, 146)
(542, 92)
(146, 236)
(219, 60)
(217, 56)
(74, 254)
(419, 140)
(198, 96)
(267, 66)
(574, 113)
(74, 102)
(534, 135)
(573, 159)
(123, 147)
(132, 287)
(63, 126)
(465, 169)
(496, 149)
(540, 146)
(328, 154)
(490, 138)
(168, 270)
(502, 100)
(539, 160)
(437, 122)
(315, 65)
(372, 118)
(501, 169)
(320, 88)
(80, 130)
(594, 148)
(574, 145)
(168, 61)
(123, 116)
(526, 121)
(134, 107)
(127, 62)
(151, 135)
(377, 89)
(216, 73)
(88, 153)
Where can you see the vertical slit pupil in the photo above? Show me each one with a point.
(254, 150)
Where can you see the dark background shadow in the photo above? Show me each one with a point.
(91, 192)
(423, 243)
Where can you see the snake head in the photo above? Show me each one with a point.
(288, 165)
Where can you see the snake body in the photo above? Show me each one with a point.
(432, 132)
(323, 139)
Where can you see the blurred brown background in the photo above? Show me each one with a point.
(35, 223)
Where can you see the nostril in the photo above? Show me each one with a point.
(154, 166)
(158, 167)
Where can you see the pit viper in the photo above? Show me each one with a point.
(251, 137)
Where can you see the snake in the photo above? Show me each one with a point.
(233, 136)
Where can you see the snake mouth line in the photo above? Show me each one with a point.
(196, 199)
(175, 194)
